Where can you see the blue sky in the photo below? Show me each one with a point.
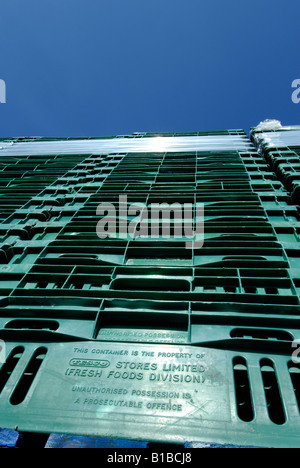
(95, 67)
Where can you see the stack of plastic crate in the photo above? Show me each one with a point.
(144, 337)
(281, 149)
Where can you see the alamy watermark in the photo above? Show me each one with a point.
(2, 352)
(296, 93)
(156, 221)
(296, 352)
(2, 92)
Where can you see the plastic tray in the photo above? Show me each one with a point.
(121, 337)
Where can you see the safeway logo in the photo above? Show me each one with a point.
(2, 352)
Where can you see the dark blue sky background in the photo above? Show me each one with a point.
(95, 67)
